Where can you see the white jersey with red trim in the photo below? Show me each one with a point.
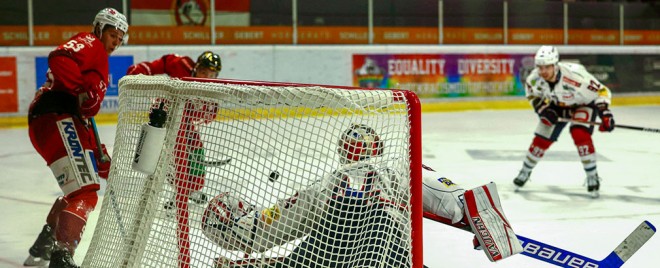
(575, 87)
(235, 224)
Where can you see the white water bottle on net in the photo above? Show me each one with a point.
(150, 142)
(292, 175)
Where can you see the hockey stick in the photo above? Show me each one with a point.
(111, 193)
(217, 163)
(104, 158)
(564, 258)
(645, 129)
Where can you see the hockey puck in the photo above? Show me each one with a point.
(273, 176)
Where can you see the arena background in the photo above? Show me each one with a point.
(465, 58)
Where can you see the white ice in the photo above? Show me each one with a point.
(553, 208)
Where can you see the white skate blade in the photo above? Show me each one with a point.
(35, 262)
(594, 194)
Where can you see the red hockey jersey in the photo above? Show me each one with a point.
(172, 65)
(79, 66)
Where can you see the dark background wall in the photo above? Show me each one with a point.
(639, 15)
(460, 13)
(54, 12)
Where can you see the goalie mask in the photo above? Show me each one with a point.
(210, 61)
(359, 142)
(111, 17)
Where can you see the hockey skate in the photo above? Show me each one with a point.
(593, 185)
(62, 258)
(521, 179)
(40, 252)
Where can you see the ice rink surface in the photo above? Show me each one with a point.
(471, 148)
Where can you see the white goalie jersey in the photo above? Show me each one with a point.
(575, 87)
(352, 191)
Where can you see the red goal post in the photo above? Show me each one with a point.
(261, 127)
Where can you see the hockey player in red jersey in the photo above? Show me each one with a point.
(76, 84)
(189, 144)
(190, 165)
(560, 90)
(350, 217)
(208, 65)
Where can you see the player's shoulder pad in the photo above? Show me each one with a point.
(532, 80)
(575, 71)
(85, 44)
(533, 75)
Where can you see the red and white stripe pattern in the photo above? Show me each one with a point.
(491, 227)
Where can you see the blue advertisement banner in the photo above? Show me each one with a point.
(118, 66)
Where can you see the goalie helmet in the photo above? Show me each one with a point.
(546, 55)
(359, 142)
(112, 17)
(208, 60)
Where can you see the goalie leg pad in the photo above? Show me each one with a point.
(488, 222)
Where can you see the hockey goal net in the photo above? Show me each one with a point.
(265, 143)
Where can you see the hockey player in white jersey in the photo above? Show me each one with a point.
(355, 222)
(559, 90)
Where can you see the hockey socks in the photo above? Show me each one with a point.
(491, 228)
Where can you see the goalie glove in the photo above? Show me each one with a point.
(606, 118)
(229, 222)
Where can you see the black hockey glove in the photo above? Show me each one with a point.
(547, 111)
(606, 118)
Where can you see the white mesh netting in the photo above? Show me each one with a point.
(316, 177)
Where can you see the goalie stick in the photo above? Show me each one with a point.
(564, 258)
(645, 129)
